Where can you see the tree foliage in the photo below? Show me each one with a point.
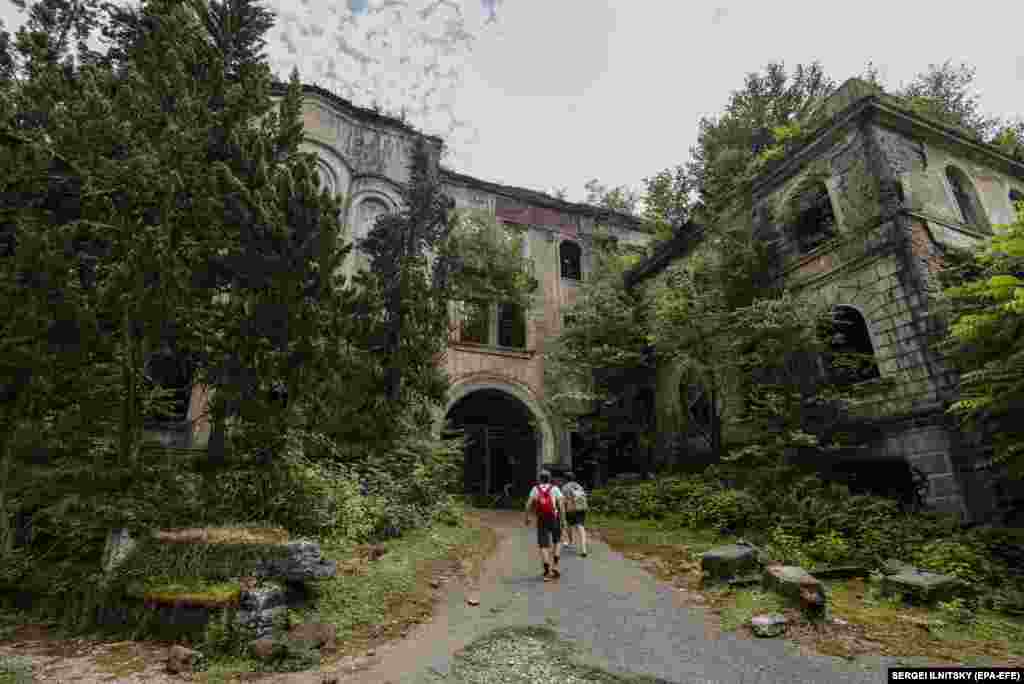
(986, 339)
(161, 204)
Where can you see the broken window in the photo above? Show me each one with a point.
(511, 326)
(171, 372)
(963, 192)
(475, 322)
(851, 356)
(571, 257)
(816, 223)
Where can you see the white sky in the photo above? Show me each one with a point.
(551, 93)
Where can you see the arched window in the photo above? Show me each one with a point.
(966, 200)
(817, 220)
(571, 257)
(851, 356)
(370, 209)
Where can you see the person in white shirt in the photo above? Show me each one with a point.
(575, 513)
(547, 504)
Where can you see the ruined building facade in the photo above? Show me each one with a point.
(858, 219)
(495, 358)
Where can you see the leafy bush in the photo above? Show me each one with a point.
(959, 558)
(786, 547)
(728, 509)
(830, 547)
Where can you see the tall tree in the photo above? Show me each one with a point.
(619, 198)
(985, 291)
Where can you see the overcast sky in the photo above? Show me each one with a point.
(551, 93)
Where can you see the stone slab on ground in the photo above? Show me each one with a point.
(796, 584)
(727, 562)
(925, 587)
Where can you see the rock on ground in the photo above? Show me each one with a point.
(181, 659)
(926, 587)
(727, 562)
(772, 625)
(303, 562)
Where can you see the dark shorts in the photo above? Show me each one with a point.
(575, 517)
(548, 532)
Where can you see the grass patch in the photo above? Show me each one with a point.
(121, 660)
(15, 670)
(739, 606)
(530, 654)
(875, 625)
(373, 600)
(196, 592)
(926, 631)
(233, 534)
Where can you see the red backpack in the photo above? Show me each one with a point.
(545, 503)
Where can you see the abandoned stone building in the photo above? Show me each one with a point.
(495, 358)
(858, 218)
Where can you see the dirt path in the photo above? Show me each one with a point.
(610, 607)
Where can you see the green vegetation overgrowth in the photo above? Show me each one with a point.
(798, 518)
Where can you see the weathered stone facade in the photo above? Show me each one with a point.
(900, 190)
(365, 156)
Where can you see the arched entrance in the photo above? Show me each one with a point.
(501, 441)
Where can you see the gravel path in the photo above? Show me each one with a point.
(618, 617)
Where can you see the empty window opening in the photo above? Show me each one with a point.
(475, 322)
(571, 258)
(851, 356)
(173, 373)
(511, 326)
(817, 221)
(967, 202)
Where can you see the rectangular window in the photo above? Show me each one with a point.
(511, 326)
(474, 322)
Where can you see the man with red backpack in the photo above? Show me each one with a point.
(548, 504)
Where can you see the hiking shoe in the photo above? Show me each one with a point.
(548, 578)
(584, 554)
(555, 574)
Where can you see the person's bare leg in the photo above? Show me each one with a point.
(554, 566)
(581, 533)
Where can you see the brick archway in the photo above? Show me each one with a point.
(547, 445)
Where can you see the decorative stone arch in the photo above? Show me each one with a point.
(860, 301)
(331, 166)
(868, 327)
(463, 387)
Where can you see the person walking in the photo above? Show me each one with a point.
(576, 513)
(547, 504)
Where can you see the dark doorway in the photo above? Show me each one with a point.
(501, 444)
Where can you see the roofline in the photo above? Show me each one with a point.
(279, 88)
(680, 245)
(538, 198)
(886, 112)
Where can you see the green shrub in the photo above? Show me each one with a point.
(786, 547)
(830, 547)
(955, 557)
(729, 509)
